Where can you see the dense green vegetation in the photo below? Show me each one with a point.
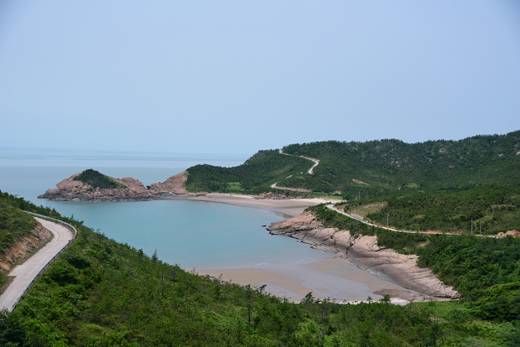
(373, 168)
(391, 166)
(97, 180)
(103, 293)
(492, 210)
(486, 271)
(254, 176)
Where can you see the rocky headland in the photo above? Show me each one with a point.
(363, 252)
(71, 189)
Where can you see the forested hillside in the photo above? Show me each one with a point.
(373, 168)
(382, 167)
(254, 176)
(491, 210)
(486, 271)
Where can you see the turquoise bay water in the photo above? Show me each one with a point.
(189, 233)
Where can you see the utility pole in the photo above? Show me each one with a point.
(471, 226)
(480, 227)
(387, 219)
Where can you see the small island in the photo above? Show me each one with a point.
(92, 185)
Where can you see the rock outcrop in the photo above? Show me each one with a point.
(75, 190)
(24, 247)
(514, 233)
(364, 253)
(173, 185)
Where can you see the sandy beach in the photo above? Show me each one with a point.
(286, 207)
(333, 278)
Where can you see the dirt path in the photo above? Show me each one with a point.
(25, 273)
(360, 219)
(316, 162)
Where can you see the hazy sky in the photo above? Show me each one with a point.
(233, 77)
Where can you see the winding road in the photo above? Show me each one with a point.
(316, 162)
(360, 219)
(26, 273)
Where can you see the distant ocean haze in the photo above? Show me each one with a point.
(189, 233)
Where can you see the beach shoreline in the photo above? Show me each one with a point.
(333, 278)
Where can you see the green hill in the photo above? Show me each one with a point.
(373, 168)
(97, 180)
(254, 176)
(391, 166)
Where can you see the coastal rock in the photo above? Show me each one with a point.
(364, 253)
(73, 190)
(173, 185)
(400, 268)
(308, 230)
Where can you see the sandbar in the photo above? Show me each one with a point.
(286, 207)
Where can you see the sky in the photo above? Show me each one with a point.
(235, 77)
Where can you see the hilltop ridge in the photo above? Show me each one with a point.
(372, 168)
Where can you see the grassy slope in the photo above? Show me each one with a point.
(103, 293)
(254, 176)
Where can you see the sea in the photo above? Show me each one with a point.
(192, 234)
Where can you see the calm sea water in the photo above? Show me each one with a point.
(191, 234)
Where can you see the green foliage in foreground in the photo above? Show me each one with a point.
(486, 271)
(254, 176)
(494, 210)
(103, 293)
(97, 180)
(493, 333)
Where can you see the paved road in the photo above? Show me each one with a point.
(26, 272)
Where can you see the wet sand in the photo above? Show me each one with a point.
(286, 207)
(330, 278)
